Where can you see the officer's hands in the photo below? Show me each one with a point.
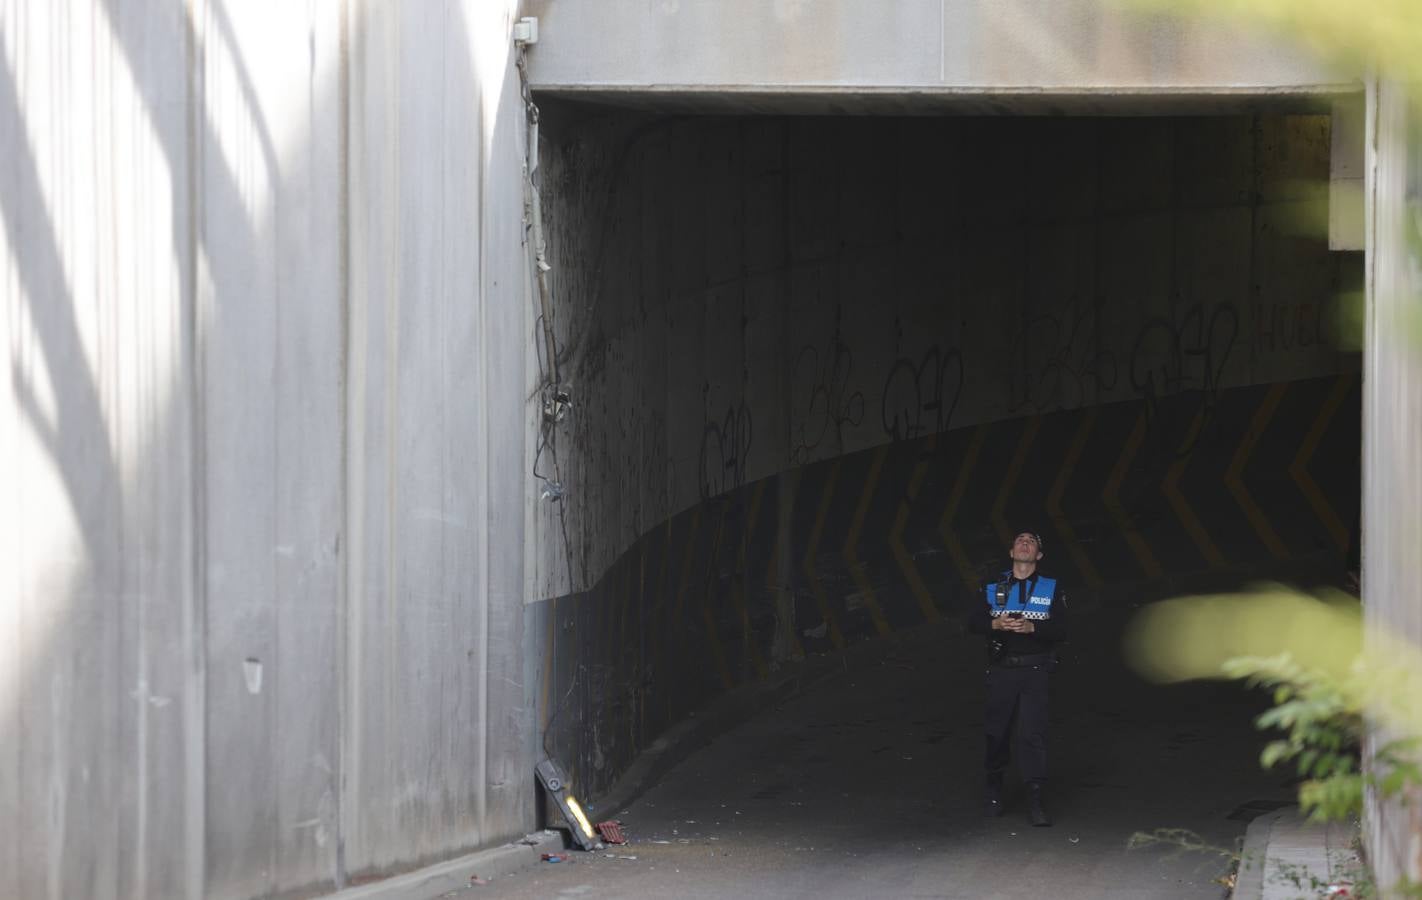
(1019, 626)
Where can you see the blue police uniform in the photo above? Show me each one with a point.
(1018, 674)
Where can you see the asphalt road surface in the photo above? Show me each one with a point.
(869, 784)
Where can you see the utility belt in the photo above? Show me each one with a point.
(1025, 660)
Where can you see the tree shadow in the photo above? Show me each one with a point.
(209, 506)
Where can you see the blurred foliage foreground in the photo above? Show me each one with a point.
(1347, 698)
(1382, 35)
(1341, 693)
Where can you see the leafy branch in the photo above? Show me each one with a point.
(1322, 717)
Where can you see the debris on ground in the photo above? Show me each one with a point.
(555, 857)
(611, 832)
(475, 879)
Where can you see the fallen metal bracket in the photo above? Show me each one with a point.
(551, 776)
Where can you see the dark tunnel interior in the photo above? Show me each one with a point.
(827, 367)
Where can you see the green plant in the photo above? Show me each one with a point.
(1322, 716)
(1347, 701)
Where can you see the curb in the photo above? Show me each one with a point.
(674, 746)
(452, 876)
(1253, 858)
(688, 736)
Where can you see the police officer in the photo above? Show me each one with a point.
(1024, 616)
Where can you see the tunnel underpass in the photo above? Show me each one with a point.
(865, 783)
(823, 368)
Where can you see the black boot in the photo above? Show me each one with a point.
(993, 805)
(1035, 812)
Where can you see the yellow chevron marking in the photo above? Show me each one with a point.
(1183, 511)
(1054, 500)
(945, 524)
(713, 639)
(1112, 498)
(1234, 476)
(742, 579)
(896, 534)
(815, 587)
(851, 557)
(1009, 481)
(1299, 468)
(686, 562)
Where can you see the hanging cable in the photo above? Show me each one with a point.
(555, 396)
(533, 225)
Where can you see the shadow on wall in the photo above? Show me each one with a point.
(903, 534)
(97, 701)
(172, 716)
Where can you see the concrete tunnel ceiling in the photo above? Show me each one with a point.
(581, 100)
(824, 366)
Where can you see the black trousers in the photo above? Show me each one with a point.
(1017, 696)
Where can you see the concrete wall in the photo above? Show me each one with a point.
(742, 296)
(1392, 445)
(265, 322)
(910, 53)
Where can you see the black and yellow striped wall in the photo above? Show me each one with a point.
(900, 535)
